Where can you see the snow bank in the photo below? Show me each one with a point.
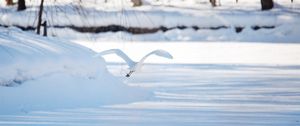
(25, 56)
(39, 73)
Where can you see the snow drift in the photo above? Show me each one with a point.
(25, 56)
(43, 73)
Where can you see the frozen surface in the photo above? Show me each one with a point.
(188, 95)
(234, 92)
(205, 52)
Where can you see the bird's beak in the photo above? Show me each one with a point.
(128, 75)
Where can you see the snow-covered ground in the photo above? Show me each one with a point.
(222, 78)
(39, 73)
(206, 83)
(192, 95)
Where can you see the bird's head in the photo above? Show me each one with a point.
(129, 74)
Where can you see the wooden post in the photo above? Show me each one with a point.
(40, 17)
(45, 28)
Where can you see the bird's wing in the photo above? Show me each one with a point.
(159, 52)
(119, 53)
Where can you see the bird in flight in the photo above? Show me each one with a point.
(134, 66)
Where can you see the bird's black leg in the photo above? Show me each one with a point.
(128, 75)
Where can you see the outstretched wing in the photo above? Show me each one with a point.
(119, 53)
(159, 52)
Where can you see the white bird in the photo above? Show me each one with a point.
(134, 66)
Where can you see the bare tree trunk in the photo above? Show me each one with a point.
(40, 17)
(213, 3)
(267, 4)
(21, 5)
(137, 3)
(9, 2)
